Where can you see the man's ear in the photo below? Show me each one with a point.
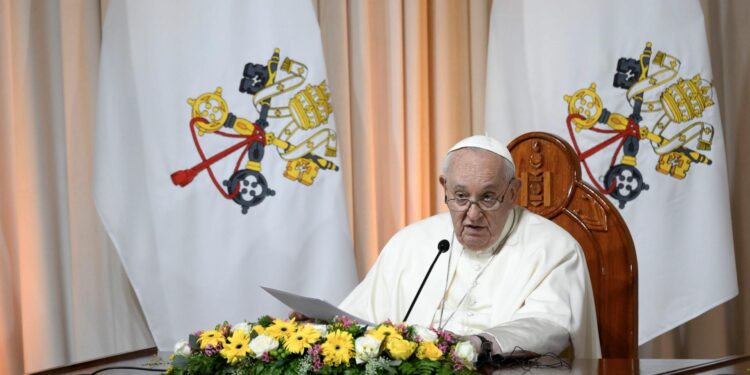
(442, 181)
(515, 188)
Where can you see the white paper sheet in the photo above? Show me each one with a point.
(315, 308)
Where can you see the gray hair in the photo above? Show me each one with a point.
(510, 170)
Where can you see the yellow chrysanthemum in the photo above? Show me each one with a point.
(338, 348)
(304, 337)
(281, 329)
(213, 338)
(237, 347)
(259, 329)
(399, 348)
(428, 350)
(384, 332)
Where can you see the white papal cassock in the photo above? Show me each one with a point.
(535, 293)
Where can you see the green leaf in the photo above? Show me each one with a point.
(265, 321)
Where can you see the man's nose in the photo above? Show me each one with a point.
(474, 212)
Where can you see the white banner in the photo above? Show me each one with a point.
(216, 160)
(629, 84)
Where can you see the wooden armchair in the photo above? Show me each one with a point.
(551, 175)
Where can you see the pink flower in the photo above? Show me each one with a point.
(345, 321)
(446, 336)
(443, 346)
(213, 350)
(458, 364)
(317, 360)
(266, 357)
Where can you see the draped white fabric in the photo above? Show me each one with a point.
(194, 256)
(665, 169)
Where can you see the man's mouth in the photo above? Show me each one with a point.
(470, 229)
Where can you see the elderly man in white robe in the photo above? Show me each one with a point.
(510, 277)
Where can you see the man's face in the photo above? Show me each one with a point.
(478, 174)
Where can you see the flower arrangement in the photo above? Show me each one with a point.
(274, 346)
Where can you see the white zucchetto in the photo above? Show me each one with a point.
(485, 143)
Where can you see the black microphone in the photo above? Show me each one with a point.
(442, 246)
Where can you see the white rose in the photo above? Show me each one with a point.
(262, 344)
(366, 348)
(243, 326)
(321, 328)
(425, 334)
(182, 348)
(466, 352)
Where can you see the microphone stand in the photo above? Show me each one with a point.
(443, 246)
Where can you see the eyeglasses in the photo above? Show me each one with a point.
(484, 204)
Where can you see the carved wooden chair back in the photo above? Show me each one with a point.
(552, 187)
